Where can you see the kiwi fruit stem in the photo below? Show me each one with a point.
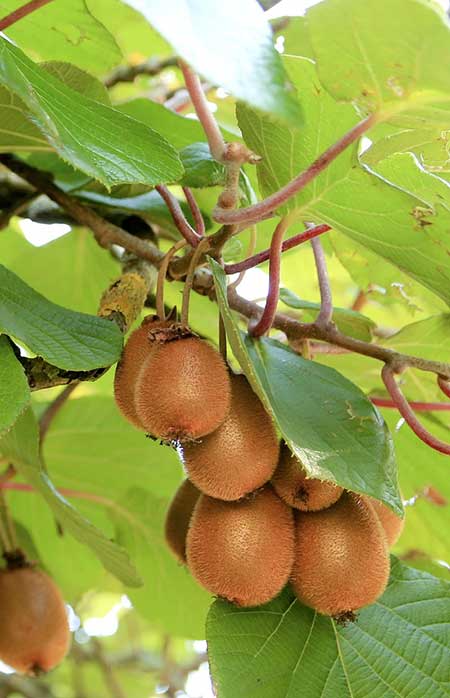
(201, 248)
(162, 277)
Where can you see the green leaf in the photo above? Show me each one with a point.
(179, 130)
(348, 321)
(201, 170)
(101, 142)
(426, 338)
(230, 45)
(381, 217)
(170, 599)
(14, 390)
(382, 52)
(396, 648)
(66, 31)
(91, 447)
(326, 420)
(430, 146)
(21, 447)
(63, 337)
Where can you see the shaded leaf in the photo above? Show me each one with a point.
(201, 170)
(21, 447)
(63, 337)
(14, 390)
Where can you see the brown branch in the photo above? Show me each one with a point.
(408, 415)
(16, 208)
(129, 73)
(326, 303)
(274, 201)
(21, 12)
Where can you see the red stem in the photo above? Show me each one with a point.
(186, 230)
(274, 201)
(287, 245)
(417, 406)
(21, 12)
(444, 385)
(196, 213)
(206, 118)
(264, 323)
(408, 415)
(23, 487)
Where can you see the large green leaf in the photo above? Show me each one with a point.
(327, 421)
(170, 598)
(63, 337)
(66, 31)
(430, 146)
(21, 447)
(231, 45)
(392, 53)
(397, 648)
(14, 390)
(100, 141)
(393, 222)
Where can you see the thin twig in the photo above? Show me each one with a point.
(444, 385)
(9, 523)
(172, 203)
(274, 201)
(408, 415)
(109, 676)
(263, 325)
(129, 73)
(160, 308)
(200, 103)
(416, 406)
(326, 301)
(250, 250)
(52, 410)
(21, 12)
(288, 244)
(195, 210)
(200, 251)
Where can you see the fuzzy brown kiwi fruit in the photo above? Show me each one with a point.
(35, 634)
(296, 489)
(242, 551)
(391, 522)
(341, 557)
(241, 455)
(178, 518)
(136, 350)
(182, 389)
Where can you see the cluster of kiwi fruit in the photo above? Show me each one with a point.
(247, 520)
(35, 633)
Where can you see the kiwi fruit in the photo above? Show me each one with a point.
(296, 489)
(35, 633)
(136, 350)
(241, 455)
(178, 518)
(182, 391)
(391, 522)
(341, 557)
(242, 551)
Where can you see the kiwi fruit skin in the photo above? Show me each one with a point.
(296, 489)
(135, 352)
(35, 634)
(341, 557)
(178, 518)
(241, 455)
(182, 389)
(242, 551)
(391, 522)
